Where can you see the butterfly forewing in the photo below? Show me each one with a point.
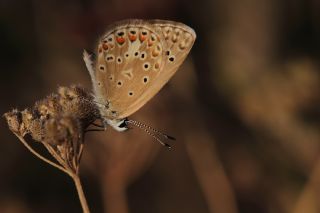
(135, 60)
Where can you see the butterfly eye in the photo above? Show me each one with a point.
(168, 52)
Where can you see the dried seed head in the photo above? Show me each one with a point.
(48, 107)
(32, 124)
(58, 122)
(23, 123)
(78, 102)
(14, 120)
(50, 119)
(61, 130)
(65, 136)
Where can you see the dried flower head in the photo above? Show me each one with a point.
(64, 140)
(78, 102)
(59, 122)
(14, 120)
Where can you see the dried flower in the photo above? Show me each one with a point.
(58, 122)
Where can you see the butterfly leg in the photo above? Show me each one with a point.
(98, 125)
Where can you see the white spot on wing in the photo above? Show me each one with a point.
(127, 73)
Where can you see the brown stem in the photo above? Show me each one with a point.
(81, 195)
(56, 156)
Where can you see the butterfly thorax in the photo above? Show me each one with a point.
(109, 116)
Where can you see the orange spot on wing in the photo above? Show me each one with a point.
(157, 65)
(155, 53)
(150, 42)
(132, 37)
(105, 46)
(120, 40)
(142, 38)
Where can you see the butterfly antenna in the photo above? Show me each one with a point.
(137, 124)
(144, 126)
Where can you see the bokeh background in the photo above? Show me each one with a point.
(245, 108)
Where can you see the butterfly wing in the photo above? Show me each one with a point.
(135, 59)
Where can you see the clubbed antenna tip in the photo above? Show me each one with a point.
(171, 138)
(168, 146)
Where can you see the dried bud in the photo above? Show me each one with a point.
(48, 107)
(32, 125)
(14, 120)
(60, 130)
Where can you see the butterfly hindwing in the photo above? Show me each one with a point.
(135, 59)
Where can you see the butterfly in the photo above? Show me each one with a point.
(134, 60)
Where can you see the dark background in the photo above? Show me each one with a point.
(244, 107)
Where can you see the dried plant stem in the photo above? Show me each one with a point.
(57, 157)
(39, 155)
(81, 195)
(74, 176)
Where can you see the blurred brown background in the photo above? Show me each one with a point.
(244, 107)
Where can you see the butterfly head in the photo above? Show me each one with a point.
(119, 125)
